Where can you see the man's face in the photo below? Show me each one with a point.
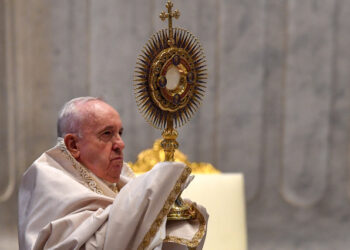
(100, 144)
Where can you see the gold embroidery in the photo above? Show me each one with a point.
(84, 173)
(165, 210)
(196, 238)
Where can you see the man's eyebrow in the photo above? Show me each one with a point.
(110, 127)
(106, 128)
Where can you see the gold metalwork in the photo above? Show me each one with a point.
(154, 100)
(191, 244)
(170, 16)
(168, 107)
(149, 157)
(169, 144)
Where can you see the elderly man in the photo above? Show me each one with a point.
(81, 195)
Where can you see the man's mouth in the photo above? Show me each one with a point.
(119, 158)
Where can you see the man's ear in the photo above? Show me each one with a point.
(71, 141)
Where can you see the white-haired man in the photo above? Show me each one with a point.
(81, 195)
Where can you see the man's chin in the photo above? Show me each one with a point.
(115, 172)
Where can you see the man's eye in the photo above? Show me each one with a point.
(106, 134)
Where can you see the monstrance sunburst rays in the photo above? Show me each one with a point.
(154, 100)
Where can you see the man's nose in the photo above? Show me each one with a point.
(118, 142)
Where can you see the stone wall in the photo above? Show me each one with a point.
(277, 106)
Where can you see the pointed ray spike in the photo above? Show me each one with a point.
(197, 101)
(190, 45)
(175, 120)
(140, 72)
(190, 108)
(176, 37)
(200, 89)
(160, 121)
(187, 36)
(143, 98)
(140, 90)
(184, 44)
(148, 55)
(147, 112)
(180, 39)
(151, 49)
(199, 95)
(153, 112)
(161, 40)
(149, 46)
(147, 49)
(194, 49)
(160, 44)
(195, 55)
(200, 61)
(141, 95)
(203, 62)
(165, 120)
(185, 112)
(178, 118)
(143, 107)
(139, 86)
(144, 58)
(136, 79)
(158, 118)
(184, 39)
(154, 43)
(198, 54)
(151, 116)
(142, 76)
(142, 61)
(147, 108)
(136, 72)
(201, 68)
(166, 39)
(181, 119)
(141, 64)
(199, 85)
(202, 75)
(142, 102)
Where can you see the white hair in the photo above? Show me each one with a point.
(70, 116)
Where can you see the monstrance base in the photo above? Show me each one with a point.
(181, 211)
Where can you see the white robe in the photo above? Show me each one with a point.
(62, 205)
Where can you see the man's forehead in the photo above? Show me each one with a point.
(97, 112)
(96, 107)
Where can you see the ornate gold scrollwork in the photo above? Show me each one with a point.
(149, 157)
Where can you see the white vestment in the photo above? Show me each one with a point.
(63, 205)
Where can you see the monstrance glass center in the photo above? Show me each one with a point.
(172, 77)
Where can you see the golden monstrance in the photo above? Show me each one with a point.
(170, 78)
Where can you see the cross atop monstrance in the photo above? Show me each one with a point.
(176, 14)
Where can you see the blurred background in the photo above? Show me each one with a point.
(277, 106)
